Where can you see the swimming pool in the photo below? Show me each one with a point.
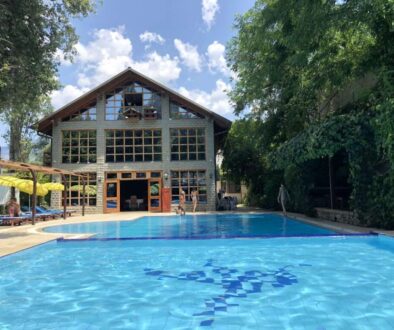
(280, 283)
(201, 226)
(181, 280)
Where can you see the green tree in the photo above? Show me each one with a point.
(322, 71)
(32, 33)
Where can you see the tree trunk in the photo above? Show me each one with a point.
(15, 142)
(15, 146)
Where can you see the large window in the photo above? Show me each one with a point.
(179, 112)
(86, 114)
(75, 187)
(187, 143)
(139, 145)
(79, 146)
(132, 102)
(188, 181)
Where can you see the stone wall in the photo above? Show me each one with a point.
(166, 165)
(347, 217)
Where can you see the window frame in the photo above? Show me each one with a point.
(90, 111)
(179, 178)
(181, 146)
(77, 195)
(72, 145)
(133, 88)
(188, 114)
(128, 151)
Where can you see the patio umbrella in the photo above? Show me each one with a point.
(7, 181)
(53, 186)
(27, 187)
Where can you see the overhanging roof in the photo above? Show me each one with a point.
(128, 75)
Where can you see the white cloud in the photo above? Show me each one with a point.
(151, 37)
(162, 68)
(68, 93)
(189, 55)
(209, 9)
(216, 60)
(59, 56)
(217, 100)
(107, 43)
(107, 54)
(94, 74)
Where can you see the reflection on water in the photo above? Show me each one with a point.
(197, 226)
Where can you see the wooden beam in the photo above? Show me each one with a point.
(41, 169)
(34, 198)
(64, 197)
(83, 195)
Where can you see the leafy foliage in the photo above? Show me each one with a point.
(322, 72)
(32, 33)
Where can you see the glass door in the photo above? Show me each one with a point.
(154, 195)
(111, 196)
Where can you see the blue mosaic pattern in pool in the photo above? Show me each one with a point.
(102, 285)
(197, 226)
(235, 284)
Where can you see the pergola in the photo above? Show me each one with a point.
(34, 169)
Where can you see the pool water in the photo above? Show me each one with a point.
(201, 226)
(277, 283)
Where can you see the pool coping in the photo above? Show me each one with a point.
(31, 236)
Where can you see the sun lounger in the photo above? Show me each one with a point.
(44, 216)
(7, 220)
(41, 209)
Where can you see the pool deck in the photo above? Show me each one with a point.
(18, 238)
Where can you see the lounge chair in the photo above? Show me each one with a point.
(41, 216)
(43, 210)
(12, 221)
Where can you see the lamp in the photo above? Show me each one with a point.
(165, 176)
(99, 179)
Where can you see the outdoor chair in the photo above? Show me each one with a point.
(43, 209)
(133, 202)
(12, 221)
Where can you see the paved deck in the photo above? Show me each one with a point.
(18, 238)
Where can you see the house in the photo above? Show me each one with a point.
(139, 143)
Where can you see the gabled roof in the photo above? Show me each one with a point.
(126, 76)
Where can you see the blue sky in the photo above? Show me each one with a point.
(178, 42)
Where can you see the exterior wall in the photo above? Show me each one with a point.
(166, 165)
(346, 217)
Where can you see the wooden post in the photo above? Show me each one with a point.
(34, 197)
(83, 195)
(64, 197)
(331, 178)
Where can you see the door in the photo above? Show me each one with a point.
(154, 193)
(111, 196)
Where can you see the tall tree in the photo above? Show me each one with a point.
(323, 70)
(32, 33)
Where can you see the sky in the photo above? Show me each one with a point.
(180, 43)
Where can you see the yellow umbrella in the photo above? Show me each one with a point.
(27, 187)
(22, 185)
(8, 181)
(53, 186)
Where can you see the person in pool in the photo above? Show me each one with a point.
(283, 198)
(181, 206)
(194, 199)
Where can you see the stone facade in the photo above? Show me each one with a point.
(166, 165)
(341, 216)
